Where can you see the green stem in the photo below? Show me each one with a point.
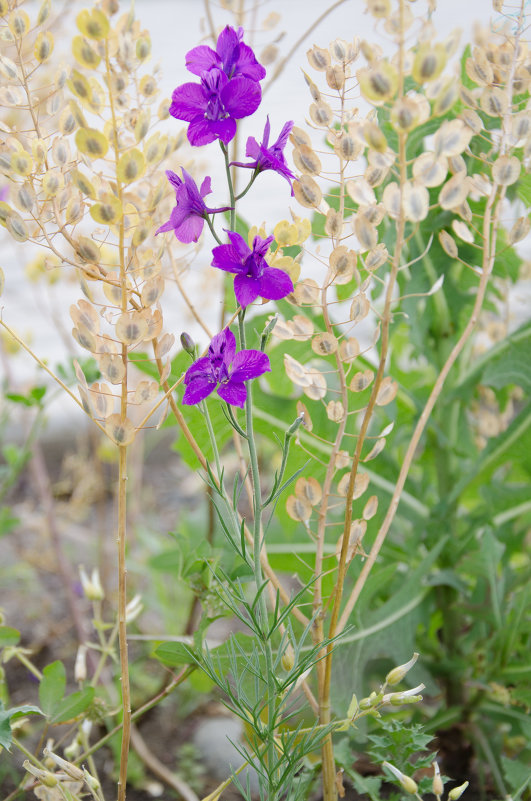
(225, 152)
(257, 547)
(206, 413)
(212, 229)
(251, 182)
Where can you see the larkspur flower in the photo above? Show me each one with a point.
(225, 369)
(231, 55)
(213, 106)
(269, 157)
(188, 217)
(254, 277)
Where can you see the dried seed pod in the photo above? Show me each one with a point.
(309, 489)
(121, 431)
(370, 508)
(380, 9)
(493, 101)
(376, 257)
(298, 508)
(307, 192)
(333, 224)
(454, 192)
(446, 99)
(429, 62)
(463, 231)
(91, 143)
(321, 114)
(324, 344)
(428, 170)
(361, 381)
(335, 77)
(111, 367)
(519, 230)
(108, 212)
(366, 233)
(416, 201)
(405, 115)
(349, 349)
(306, 160)
(342, 264)
(378, 82)
(387, 391)
(361, 192)
(131, 166)
(93, 23)
(357, 530)
(361, 482)
(316, 387)
(347, 147)
(299, 137)
(447, 243)
(335, 411)
(506, 170)
(43, 47)
(374, 137)
(376, 449)
(452, 138)
(318, 58)
(359, 308)
(391, 199)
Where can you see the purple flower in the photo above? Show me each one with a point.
(254, 277)
(225, 369)
(231, 55)
(188, 217)
(213, 106)
(269, 157)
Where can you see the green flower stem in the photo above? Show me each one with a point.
(204, 408)
(251, 182)
(257, 547)
(212, 229)
(225, 151)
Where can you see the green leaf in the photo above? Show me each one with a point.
(52, 687)
(7, 715)
(174, 654)
(7, 521)
(73, 705)
(8, 636)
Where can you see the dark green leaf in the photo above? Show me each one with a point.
(73, 705)
(52, 687)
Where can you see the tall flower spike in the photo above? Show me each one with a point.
(231, 55)
(269, 157)
(188, 217)
(254, 277)
(213, 106)
(225, 369)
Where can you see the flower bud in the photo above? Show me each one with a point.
(188, 343)
(295, 425)
(437, 786)
(288, 658)
(71, 770)
(91, 781)
(73, 750)
(91, 587)
(407, 783)
(457, 792)
(396, 675)
(134, 608)
(44, 776)
(80, 667)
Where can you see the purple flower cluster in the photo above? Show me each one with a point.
(228, 90)
(225, 369)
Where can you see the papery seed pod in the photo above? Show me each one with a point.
(349, 349)
(298, 508)
(93, 23)
(43, 47)
(314, 89)
(454, 192)
(335, 77)
(299, 137)
(359, 308)
(321, 114)
(21, 163)
(316, 388)
(318, 58)
(19, 23)
(387, 391)
(324, 344)
(446, 99)
(506, 170)
(306, 160)
(347, 148)
(307, 192)
(16, 226)
(120, 431)
(374, 137)
(379, 82)
(370, 508)
(405, 115)
(452, 138)
(379, 9)
(268, 55)
(91, 142)
(376, 257)
(361, 380)
(428, 170)
(462, 231)
(519, 230)
(371, 52)
(342, 264)
(429, 62)
(357, 530)
(361, 192)
(309, 489)
(366, 233)
(391, 199)
(493, 101)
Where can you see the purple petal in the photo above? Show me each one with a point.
(246, 289)
(227, 258)
(177, 217)
(233, 392)
(202, 131)
(267, 131)
(198, 389)
(206, 187)
(283, 138)
(275, 284)
(249, 364)
(173, 178)
(247, 65)
(241, 97)
(202, 58)
(239, 244)
(261, 246)
(188, 101)
(201, 366)
(228, 43)
(224, 345)
(190, 229)
(252, 148)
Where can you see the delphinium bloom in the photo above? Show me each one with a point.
(231, 55)
(254, 277)
(269, 157)
(213, 106)
(225, 369)
(188, 217)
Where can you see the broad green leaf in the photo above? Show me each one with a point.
(173, 654)
(7, 715)
(73, 705)
(52, 687)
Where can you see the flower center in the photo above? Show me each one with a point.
(254, 265)
(213, 83)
